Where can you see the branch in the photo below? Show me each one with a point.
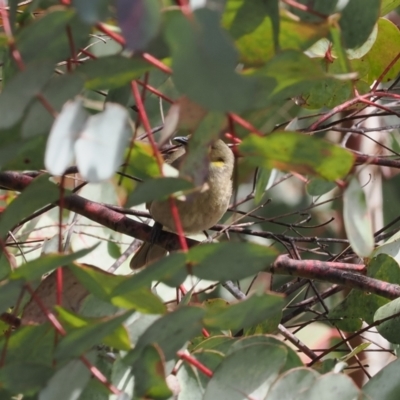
(335, 273)
(99, 213)
(381, 161)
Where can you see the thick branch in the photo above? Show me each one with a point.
(98, 213)
(381, 161)
(334, 273)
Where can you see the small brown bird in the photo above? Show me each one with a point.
(201, 210)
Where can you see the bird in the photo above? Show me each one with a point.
(201, 210)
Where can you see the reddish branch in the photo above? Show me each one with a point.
(335, 273)
(98, 213)
(305, 8)
(382, 161)
(348, 275)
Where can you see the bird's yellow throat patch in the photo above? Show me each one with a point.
(217, 163)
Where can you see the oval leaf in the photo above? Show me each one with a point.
(21, 90)
(229, 261)
(139, 21)
(244, 314)
(292, 151)
(200, 48)
(157, 189)
(357, 220)
(100, 147)
(385, 384)
(244, 374)
(64, 132)
(357, 21)
(389, 329)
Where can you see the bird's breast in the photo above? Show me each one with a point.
(198, 213)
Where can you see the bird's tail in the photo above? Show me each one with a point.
(146, 254)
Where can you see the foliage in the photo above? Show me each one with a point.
(92, 93)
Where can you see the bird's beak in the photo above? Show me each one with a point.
(182, 140)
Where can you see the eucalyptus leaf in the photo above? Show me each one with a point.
(357, 219)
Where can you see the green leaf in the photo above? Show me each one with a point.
(23, 154)
(263, 176)
(201, 49)
(9, 293)
(36, 268)
(243, 314)
(320, 6)
(259, 31)
(111, 72)
(292, 359)
(333, 386)
(328, 93)
(290, 67)
(357, 219)
(245, 374)
(68, 382)
(121, 95)
(385, 384)
(388, 5)
(169, 270)
(150, 376)
(21, 90)
(38, 120)
(81, 339)
(229, 260)
(5, 394)
(251, 22)
(292, 151)
(386, 47)
(342, 64)
(357, 21)
(33, 343)
(292, 384)
(139, 21)
(92, 307)
(47, 39)
(218, 343)
(390, 247)
(318, 187)
(360, 348)
(117, 339)
(287, 74)
(103, 285)
(142, 162)
(192, 382)
(389, 329)
(360, 306)
(34, 375)
(196, 161)
(5, 266)
(169, 332)
(113, 249)
(38, 194)
(91, 11)
(157, 189)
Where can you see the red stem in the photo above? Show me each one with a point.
(305, 8)
(245, 124)
(197, 364)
